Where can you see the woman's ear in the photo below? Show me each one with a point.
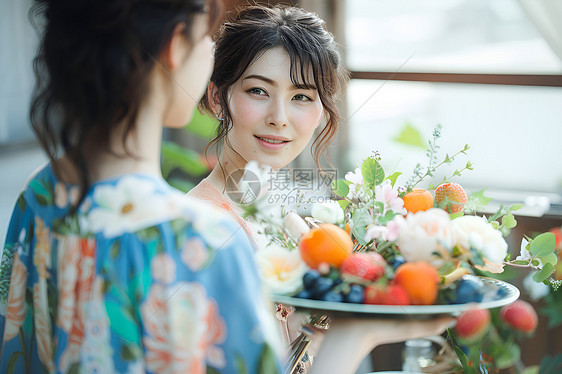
(176, 49)
(213, 98)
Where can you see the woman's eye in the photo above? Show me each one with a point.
(256, 91)
(301, 97)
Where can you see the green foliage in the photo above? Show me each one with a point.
(373, 173)
(187, 160)
(361, 218)
(551, 365)
(340, 187)
(409, 135)
(421, 172)
(267, 361)
(553, 307)
(202, 125)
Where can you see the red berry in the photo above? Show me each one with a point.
(472, 325)
(366, 265)
(393, 294)
(520, 315)
(452, 196)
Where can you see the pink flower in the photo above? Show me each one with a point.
(388, 195)
(183, 329)
(163, 268)
(194, 254)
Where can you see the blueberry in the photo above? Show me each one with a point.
(332, 297)
(309, 279)
(355, 294)
(323, 285)
(397, 261)
(304, 294)
(470, 290)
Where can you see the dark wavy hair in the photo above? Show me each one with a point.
(92, 67)
(302, 34)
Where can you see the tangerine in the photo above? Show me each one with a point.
(418, 199)
(326, 243)
(420, 280)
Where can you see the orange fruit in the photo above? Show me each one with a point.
(326, 243)
(420, 280)
(418, 199)
(451, 197)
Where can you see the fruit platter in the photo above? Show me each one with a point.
(385, 245)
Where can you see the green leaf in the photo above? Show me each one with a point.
(456, 215)
(551, 365)
(409, 135)
(515, 207)
(361, 218)
(267, 362)
(460, 354)
(543, 244)
(177, 157)
(241, 367)
(12, 362)
(508, 221)
(544, 273)
(373, 173)
(130, 352)
(549, 259)
(508, 356)
(392, 177)
(122, 322)
(181, 184)
(202, 125)
(340, 187)
(343, 204)
(476, 201)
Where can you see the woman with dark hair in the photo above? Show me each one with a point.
(277, 77)
(106, 268)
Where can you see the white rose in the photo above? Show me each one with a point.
(295, 225)
(474, 232)
(328, 212)
(535, 290)
(423, 233)
(281, 270)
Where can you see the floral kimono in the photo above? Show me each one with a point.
(138, 279)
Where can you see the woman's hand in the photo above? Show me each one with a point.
(349, 340)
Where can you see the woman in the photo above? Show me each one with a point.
(276, 79)
(106, 268)
(277, 76)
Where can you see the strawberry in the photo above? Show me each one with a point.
(366, 265)
(393, 294)
(451, 197)
(472, 325)
(520, 315)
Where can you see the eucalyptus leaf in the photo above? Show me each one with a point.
(508, 221)
(544, 273)
(549, 259)
(361, 218)
(543, 244)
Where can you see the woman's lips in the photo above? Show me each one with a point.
(272, 142)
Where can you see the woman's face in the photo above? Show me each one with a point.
(272, 119)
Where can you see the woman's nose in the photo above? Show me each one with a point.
(277, 115)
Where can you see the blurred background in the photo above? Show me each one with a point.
(488, 71)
